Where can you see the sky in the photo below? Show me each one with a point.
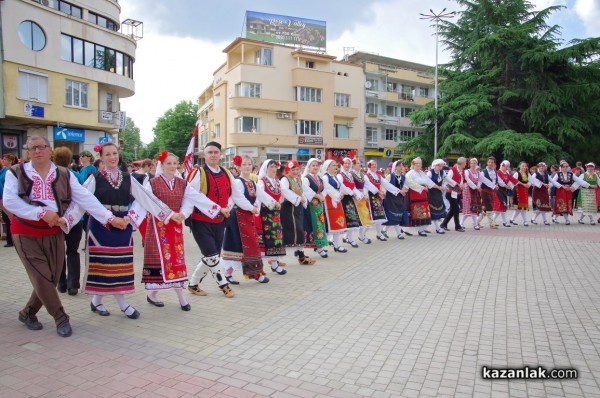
(183, 40)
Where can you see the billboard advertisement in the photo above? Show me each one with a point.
(287, 30)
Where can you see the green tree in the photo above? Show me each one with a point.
(174, 129)
(130, 141)
(511, 89)
(150, 151)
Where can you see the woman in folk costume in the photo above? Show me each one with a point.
(586, 201)
(109, 260)
(293, 211)
(565, 184)
(506, 182)
(472, 194)
(334, 211)
(375, 184)
(418, 203)
(522, 193)
(350, 192)
(362, 205)
(268, 192)
(540, 196)
(314, 221)
(395, 202)
(240, 244)
(436, 195)
(164, 256)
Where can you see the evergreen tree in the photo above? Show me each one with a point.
(511, 89)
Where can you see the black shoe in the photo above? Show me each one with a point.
(460, 230)
(340, 249)
(422, 233)
(345, 240)
(366, 241)
(384, 233)
(281, 272)
(513, 223)
(73, 291)
(135, 314)
(233, 281)
(580, 221)
(31, 323)
(507, 225)
(9, 245)
(155, 303)
(186, 307)
(401, 237)
(297, 253)
(353, 244)
(533, 221)
(440, 231)
(427, 232)
(64, 329)
(61, 289)
(96, 308)
(407, 233)
(381, 238)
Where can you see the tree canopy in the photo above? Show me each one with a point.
(511, 89)
(131, 143)
(174, 129)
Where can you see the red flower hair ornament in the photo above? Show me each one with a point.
(237, 161)
(162, 156)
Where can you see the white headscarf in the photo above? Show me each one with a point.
(325, 166)
(436, 162)
(505, 163)
(307, 167)
(263, 168)
(159, 169)
(396, 163)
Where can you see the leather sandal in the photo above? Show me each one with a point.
(307, 261)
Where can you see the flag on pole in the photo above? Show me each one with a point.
(188, 161)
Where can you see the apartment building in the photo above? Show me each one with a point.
(392, 89)
(64, 66)
(271, 101)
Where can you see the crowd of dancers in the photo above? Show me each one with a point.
(245, 222)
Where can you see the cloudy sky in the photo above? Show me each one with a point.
(184, 39)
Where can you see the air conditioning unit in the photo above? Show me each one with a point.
(349, 124)
(283, 115)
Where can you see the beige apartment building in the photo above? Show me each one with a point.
(392, 89)
(64, 67)
(270, 101)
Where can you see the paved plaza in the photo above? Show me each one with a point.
(418, 317)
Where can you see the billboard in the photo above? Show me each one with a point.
(283, 29)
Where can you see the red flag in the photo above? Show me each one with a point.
(188, 161)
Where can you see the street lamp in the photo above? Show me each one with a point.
(432, 16)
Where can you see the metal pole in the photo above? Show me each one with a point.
(435, 137)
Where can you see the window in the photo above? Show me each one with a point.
(342, 100)
(99, 20)
(372, 84)
(109, 102)
(392, 87)
(341, 131)
(404, 112)
(264, 56)
(32, 35)
(372, 109)
(95, 56)
(407, 93)
(308, 94)
(391, 110)
(76, 94)
(423, 92)
(406, 135)
(217, 132)
(246, 124)
(308, 127)
(33, 86)
(391, 134)
(247, 90)
(310, 64)
(217, 101)
(372, 135)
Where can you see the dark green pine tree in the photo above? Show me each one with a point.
(512, 89)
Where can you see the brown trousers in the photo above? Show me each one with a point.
(43, 259)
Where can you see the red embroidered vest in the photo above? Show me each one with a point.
(273, 191)
(347, 181)
(171, 198)
(218, 187)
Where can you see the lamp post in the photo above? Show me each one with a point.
(436, 18)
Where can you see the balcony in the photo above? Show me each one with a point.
(345, 112)
(263, 104)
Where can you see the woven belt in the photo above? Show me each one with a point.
(116, 208)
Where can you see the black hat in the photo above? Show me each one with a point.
(213, 143)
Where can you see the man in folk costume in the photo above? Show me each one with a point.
(293, 211)
(375, 185)
(489, 186)
(216, 183)
(362, 205)
(455, 180)
(350, 192)
(37, 193)
(315, 224)
(541, 198)
(506, 182)
(586, 200)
